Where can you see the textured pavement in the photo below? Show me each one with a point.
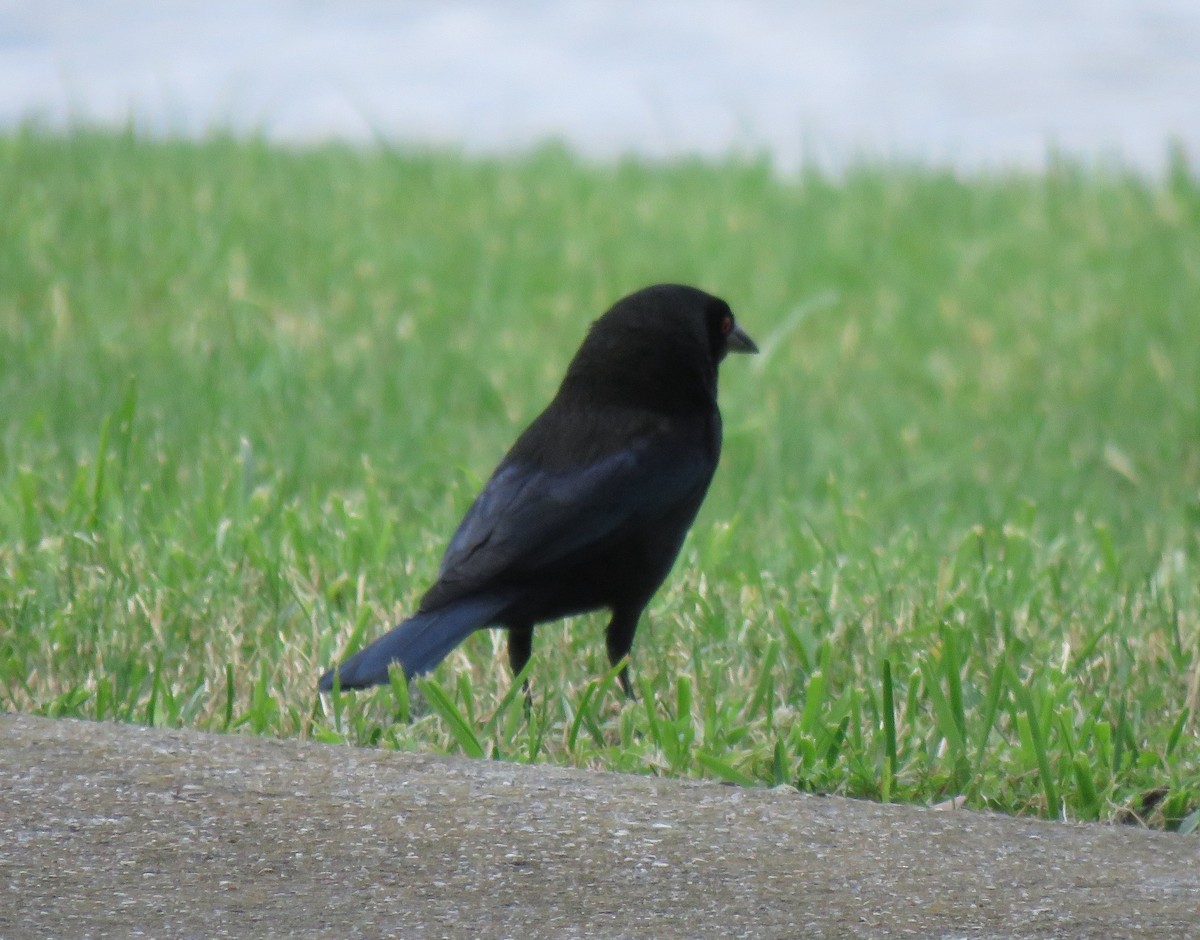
(120, 831)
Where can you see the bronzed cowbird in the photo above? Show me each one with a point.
(590, 506)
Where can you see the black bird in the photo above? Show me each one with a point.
(590, 506)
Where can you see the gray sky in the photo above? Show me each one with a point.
(967, 83)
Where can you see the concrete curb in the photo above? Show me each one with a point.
(119, 831)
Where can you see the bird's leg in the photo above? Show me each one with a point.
(619, 640)
(520, 648)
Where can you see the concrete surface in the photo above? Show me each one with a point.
(114, 831)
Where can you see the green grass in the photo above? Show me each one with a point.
(951, 551)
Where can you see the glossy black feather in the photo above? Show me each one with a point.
(589, 508)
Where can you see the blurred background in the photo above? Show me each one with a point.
(977, 84)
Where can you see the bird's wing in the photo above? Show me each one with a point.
(528, 519)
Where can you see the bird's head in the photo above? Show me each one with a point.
(659, 345)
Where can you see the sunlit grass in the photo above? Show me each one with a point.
(951, 550)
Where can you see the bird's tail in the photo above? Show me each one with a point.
(417, 645)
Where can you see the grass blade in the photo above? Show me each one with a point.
(460, 728)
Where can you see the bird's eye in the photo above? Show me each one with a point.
(726, 325)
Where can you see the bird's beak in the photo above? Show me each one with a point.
(738, 341)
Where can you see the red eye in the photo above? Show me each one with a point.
(726, 325)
